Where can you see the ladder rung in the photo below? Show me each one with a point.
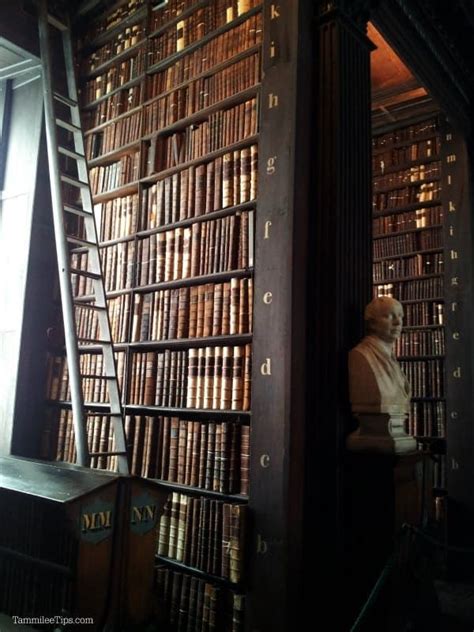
(77, 211)
(69, 126)
(74, 181)
(63, 99)
(90, 306)
(97, 377)
(71, 153)
(81, 242)
(91, 413)
(54, 21)
(94, 341)
(91, 454)
(85, 273)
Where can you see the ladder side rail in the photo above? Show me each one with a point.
(62, 249)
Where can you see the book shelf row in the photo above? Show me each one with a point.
(216, 378)
(427, 419)
(205, 248)
(411, 266)
(205, 455)
(205, 534)
(111, 19)
(403, 177)
(424, 314)
(426, 377)
(404, 134)
(394, 156)
(190, 603)
(418, 193)
(412, 290)
(405, 221)
(421, 343)
(407, 243)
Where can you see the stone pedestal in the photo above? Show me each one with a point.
(381, 433)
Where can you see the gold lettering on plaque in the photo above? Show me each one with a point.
(454, 464)
(97, 520)
(274, 11)
(454, 414)
(451, 158)
(457, 372)
(451, 230)
(454, 254)
(456, 335)
(271, 165)
(265, 460)
(262, 546)
(272, 49)
(455, 281)
(266, 368)
(272, 100)
(451, 207)
(267, 298)
(143, 514)
(266, 234)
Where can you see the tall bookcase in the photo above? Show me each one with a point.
(172, 101)
(408, 263)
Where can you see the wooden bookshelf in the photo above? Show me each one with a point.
(421, 349)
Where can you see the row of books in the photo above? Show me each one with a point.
(400, 155)
(409, 220)
(413, 194)
(408, 242)
(118, 217)
(205, 534)
(33, 590)
(191, 604)
(412, 290)
(402, 177)
(124, 131)
(203, 60)
(221, 129)
(205, 454)
(408, 133)
(421, 343)
(116, 174)
(213, 378)
(419, 264)
(118, 103)
(194, 27)
(40, 537)
(95, 389)
(427, 419)
(426, 377)
(202, 93)
(225, 10)
(110, 20)
(226, 181)
(214, 309)
(211, 247)
(425, 313)
(121, 42)
(113, 78)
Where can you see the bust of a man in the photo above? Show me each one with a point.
(378, 389)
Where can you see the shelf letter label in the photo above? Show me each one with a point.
(274, 11)
(271, 165)
(454, 307)
(266, 368)
(272, 49)
(262, 546)
(455, 281)
(265, 460)
(457, 372)
(451, 158)
(266, 234)
(456, 335)
(454, 464)
(454, 254)
(454, 414)
(449, 179)
(449, 136)
(272, 101)
(267, 298)
(451, 207)
(451, 231)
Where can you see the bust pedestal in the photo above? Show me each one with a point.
(381, 433)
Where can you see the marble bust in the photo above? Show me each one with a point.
(378, 389)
